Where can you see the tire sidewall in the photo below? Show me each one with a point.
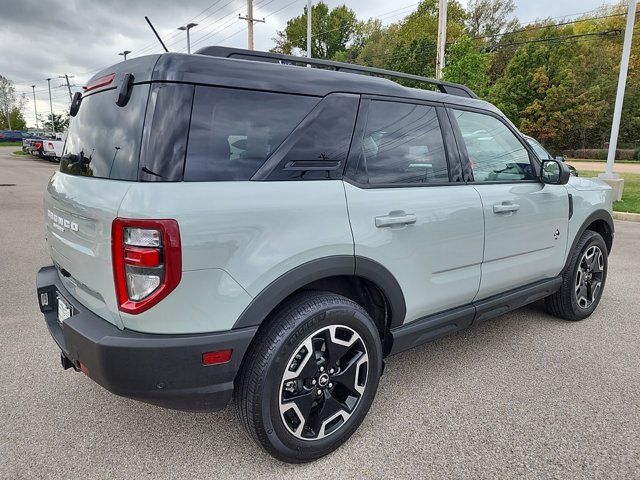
(597, 240)
(280, 438)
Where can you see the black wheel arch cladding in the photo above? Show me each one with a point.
(322, 268)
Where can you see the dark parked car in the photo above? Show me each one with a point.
(11, 136)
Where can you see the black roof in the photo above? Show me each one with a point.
(206, 69)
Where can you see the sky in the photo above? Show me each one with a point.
(79, 38)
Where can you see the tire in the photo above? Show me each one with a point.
(578, 296)
(340, 383)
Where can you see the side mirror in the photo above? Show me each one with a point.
(554, 172)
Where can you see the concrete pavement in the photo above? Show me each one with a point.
(524, 395)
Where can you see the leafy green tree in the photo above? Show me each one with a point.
(467, 65)
(331, 31)
(415, 50)
(16, 118)
(486, 18)
(11, 105)
(60, 123)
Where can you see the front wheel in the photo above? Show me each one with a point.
(582, 281)
(309, 379)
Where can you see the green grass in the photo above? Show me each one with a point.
(631, 194)
(569, 160)
(10, 144)
(18, 152)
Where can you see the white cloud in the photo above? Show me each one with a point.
(48, 38)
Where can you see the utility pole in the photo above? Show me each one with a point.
(35, 108)
(67, 77)
(442, 37)
(250, 21)
(186, 28)
(53, 124)
(309, 8)
(125, 53)
(608, 176)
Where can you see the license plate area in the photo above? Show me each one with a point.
(65, 309)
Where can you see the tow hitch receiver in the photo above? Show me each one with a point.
(66, 363)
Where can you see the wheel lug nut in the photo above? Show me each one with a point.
(331, 371)
(313, 382)
(330, 385)
(319, 392)
(322, 369)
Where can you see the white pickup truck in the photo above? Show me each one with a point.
(52, 147)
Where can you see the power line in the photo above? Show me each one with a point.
(535, 26)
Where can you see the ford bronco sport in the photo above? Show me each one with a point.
(230, 224)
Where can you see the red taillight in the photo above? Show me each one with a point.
(147, 261)
(216, 358)
(100, 82)
(38, 145)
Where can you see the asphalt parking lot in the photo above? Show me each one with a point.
(524, 395)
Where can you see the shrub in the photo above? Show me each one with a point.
(601, 153)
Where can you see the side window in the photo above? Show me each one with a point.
(319, 146)
(402, 144)
(495, 153)
(234, 131)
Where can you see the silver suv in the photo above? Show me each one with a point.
(231, 224)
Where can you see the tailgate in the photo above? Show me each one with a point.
(79, 212)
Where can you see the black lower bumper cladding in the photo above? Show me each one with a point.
(164, 370)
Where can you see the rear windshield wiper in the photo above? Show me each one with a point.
(146, 170)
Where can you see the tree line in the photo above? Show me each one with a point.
(555, 79)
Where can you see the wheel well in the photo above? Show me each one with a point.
(365, 293)
(605, 231)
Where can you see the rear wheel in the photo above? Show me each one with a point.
(309, 379)
(583, 279)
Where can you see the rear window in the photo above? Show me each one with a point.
(234, 131)
(103, 139)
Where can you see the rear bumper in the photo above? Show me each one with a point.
(164, 370)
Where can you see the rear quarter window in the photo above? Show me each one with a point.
(234, 131)
(104, 139)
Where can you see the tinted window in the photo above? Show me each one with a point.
(495, 153)
(104, 139)
(402, 143)
(234, 131)
(166, 130)
(320, 145)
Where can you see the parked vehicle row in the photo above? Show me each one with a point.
(47, 146)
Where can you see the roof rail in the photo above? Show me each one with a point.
(239, 53)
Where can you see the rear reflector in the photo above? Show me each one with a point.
(216, 358)
(100, 82)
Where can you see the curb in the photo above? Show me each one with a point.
(629, 217)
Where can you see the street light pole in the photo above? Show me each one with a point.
(35, 108)
(53, 124)
(125, 53)
(309, 7)
(613, 179)
(622, 82)
(186, 28)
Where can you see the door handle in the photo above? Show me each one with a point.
(506, 207)
(395, 218)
